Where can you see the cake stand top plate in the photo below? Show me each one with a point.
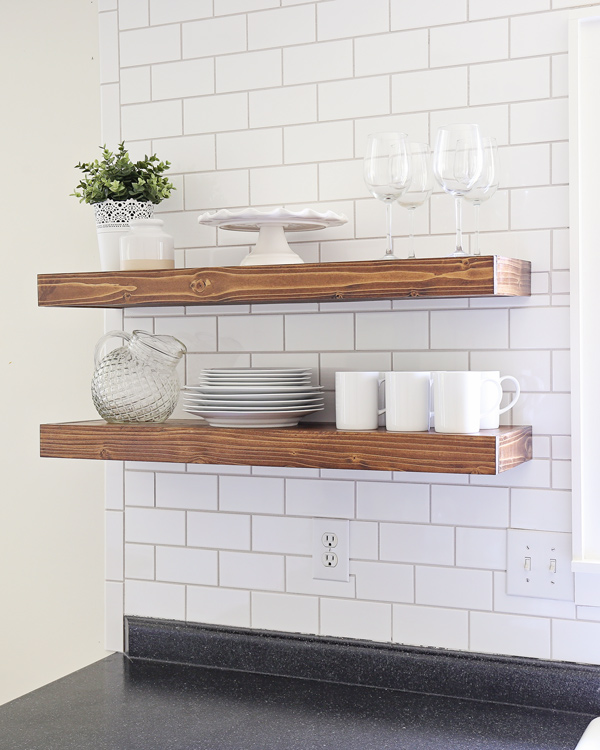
(251, 219)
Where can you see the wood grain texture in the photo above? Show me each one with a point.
(473, 276)
(307, 446)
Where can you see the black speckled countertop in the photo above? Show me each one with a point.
(144, 702)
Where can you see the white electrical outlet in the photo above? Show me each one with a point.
(539, 564)
(331, 549)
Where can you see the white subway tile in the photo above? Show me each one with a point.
(217, 469)
(321, 331)
(560, 75)
(524, 166)
(359, 97)
(492, 120)
(342, 179)
(561, 371)
(533, 246)
(289, 105)
(288, 359)
(113, 616)
(286, 535)
(215, 113)
(392, 330)
(454, 587)
(364, 540)
(510, 634)
(151, 599)
(139, 561)
(283, 185)
(335, 252)
(251, 494)
(346, 18)
(108, 33)
(192, 153)
(214, 36)
(510, 81)
(539, 34)
(296, 614)
(179, 79)
(491, 8)
(323, 498)
(385, 582)
(250, 70)
(139, 488)
(317, 143)
(132, 14)
(430, 89)
(469, 329)
(412, 361)
(184, 228)
(198, 334)
(317, 62)
(540, 207)
(152, 526)
(561, 447)
(249, 148)
(110, 114)
(562, 475)
(378, 501)
(285, 471)
(469, 506)
(182, 565)
(135, 85)
(531, 369)
(113, 532)
(535, 473)
(391, 53)
(481, 548)
(407, 14)
(493, 214)
(544, 510)
(219, 606)
(539, 122)
(474, 42)
(539, 328)
(548, 413)
(525, 605)
(357, 361)
(370, 220)
(155, 120)
(413, 543)
(216, 189)
(218, 530)
(587, 590)
(299, 580)
(281, 27)
(253, 333)
(414, 124)
(186, 491)
(251, 570)
(106, 5)
(576, 641)
(113, 485)
(430, 626)
(588, 613)
(351, 619)
(368, 475)
(179, 10)
(151, 45)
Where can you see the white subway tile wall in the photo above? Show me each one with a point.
(269, 102)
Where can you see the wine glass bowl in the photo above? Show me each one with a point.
(386, 170)
(486, 185)
(420, 186)
(457, 165)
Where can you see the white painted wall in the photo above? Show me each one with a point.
(51, 512)
(263, 102)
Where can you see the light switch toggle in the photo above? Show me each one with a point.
(552, 567)
(527, 564)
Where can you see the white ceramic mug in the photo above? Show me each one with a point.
(407, 401)
(357, 400)
(491, 419)
(457, 401)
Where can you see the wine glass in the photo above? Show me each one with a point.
(420, 186)
(387, 173)
(457, 165)
(486, 185)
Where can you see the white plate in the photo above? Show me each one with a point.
(242, 384)
(292, 402)
(254, 409)
(244, 419)
(257, 389)
(256, 371)
(253, 396)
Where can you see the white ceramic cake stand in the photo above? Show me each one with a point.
(272, 247)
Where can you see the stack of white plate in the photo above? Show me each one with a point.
(248, 397)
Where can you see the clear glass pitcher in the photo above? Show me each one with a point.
(137, 382)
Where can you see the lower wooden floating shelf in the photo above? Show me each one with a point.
(311, 445)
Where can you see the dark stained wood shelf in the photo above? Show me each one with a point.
(310, 445)
(471, 276)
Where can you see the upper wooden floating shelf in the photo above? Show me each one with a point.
(310, 445)
(472, 276)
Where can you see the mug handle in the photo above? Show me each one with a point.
(119, 334)
(517, 394)
(499, 389)
(379, 383)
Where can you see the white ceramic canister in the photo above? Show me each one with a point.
(146, 246)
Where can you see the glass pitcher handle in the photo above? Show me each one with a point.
(119, 334)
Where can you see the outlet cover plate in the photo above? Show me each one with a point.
(540, 548)
(341, 528)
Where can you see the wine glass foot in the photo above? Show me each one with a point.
(389, 256)
(459, 254)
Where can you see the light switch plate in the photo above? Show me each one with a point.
(539, 564)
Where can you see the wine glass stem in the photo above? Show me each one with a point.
(458, 209)
(411, 219)
(476, 251)
(388, 209)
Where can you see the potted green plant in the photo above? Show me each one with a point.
(120, 191)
